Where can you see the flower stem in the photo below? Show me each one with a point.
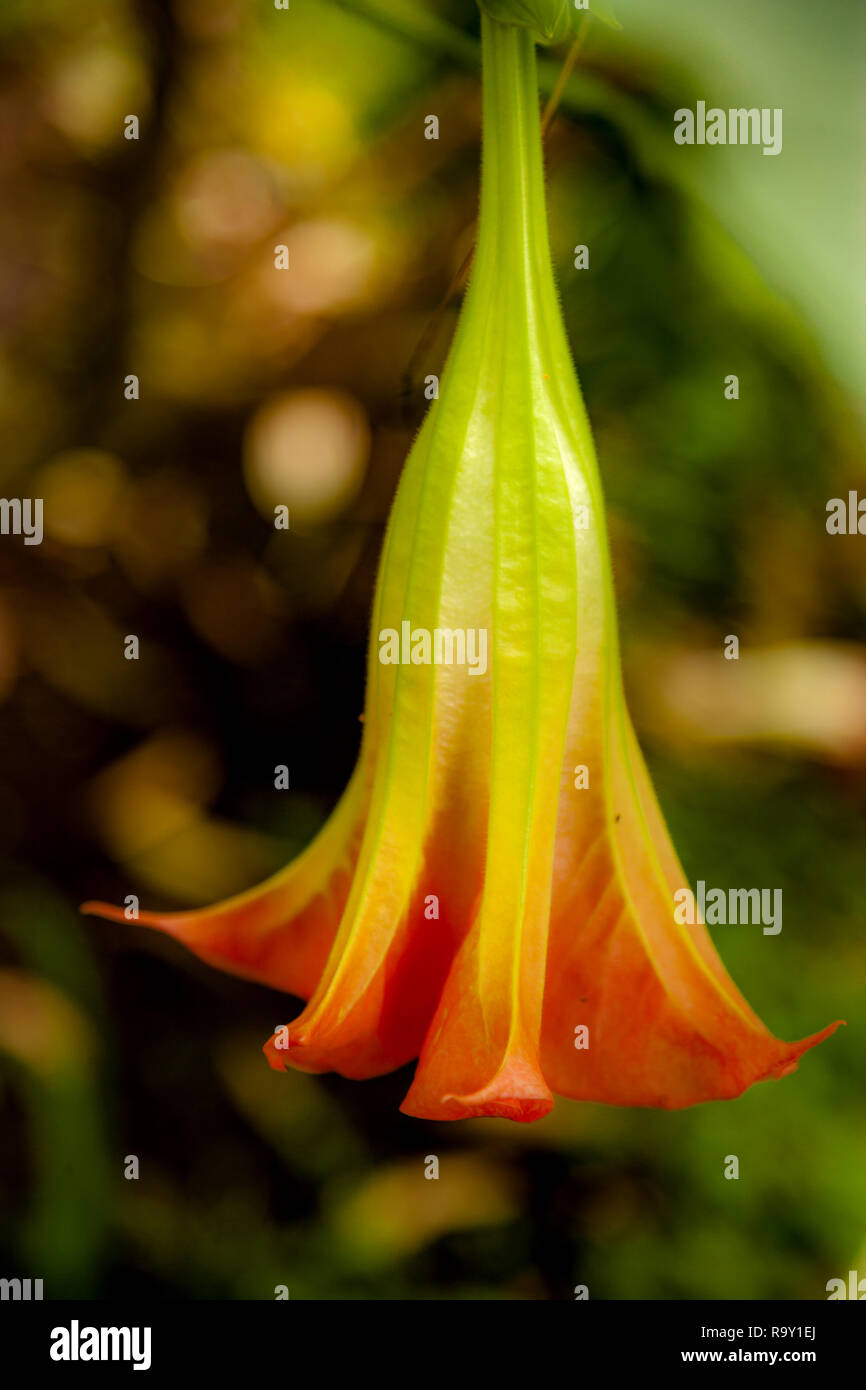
(459, 278)
(512, 227)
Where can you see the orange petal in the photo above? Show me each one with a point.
(279, 933)
(666, 1025)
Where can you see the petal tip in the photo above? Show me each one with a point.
(522, 1109)
(92, 908)
(517, 1092)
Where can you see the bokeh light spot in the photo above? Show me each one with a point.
(307, 450)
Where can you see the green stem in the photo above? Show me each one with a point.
(513, 219)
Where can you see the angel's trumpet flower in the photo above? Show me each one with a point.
(474, 901)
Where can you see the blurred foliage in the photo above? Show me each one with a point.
(155, 257)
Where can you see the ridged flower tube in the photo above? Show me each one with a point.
(468, 904)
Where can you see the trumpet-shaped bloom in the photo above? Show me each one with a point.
(471, 902)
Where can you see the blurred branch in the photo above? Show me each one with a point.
(417, 25)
